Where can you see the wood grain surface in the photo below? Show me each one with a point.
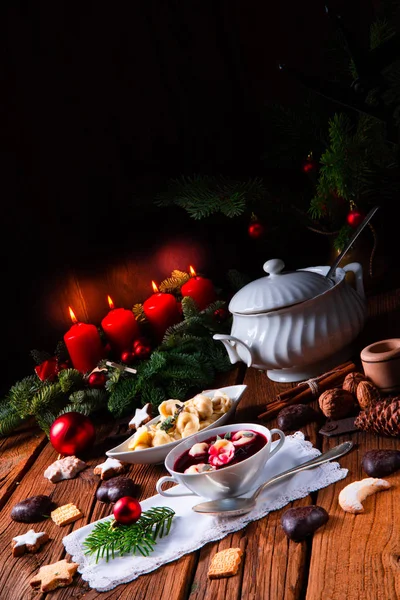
(351, 557)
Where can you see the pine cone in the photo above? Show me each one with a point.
(383, 418)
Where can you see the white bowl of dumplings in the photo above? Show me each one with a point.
(151, 442)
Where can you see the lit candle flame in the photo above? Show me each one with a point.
(110, 302)
(72, 315)
(155, 287)
(192, 271)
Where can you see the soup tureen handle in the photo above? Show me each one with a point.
(230, 343)
(357, 269)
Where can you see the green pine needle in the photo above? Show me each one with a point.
(106, 539)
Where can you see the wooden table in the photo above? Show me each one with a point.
(351, 557)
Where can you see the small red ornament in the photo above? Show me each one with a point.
(355, 217)
(221, 315)
(62, 366)
(72, 433)
(256, 230)
(127, 510)
(309, 166)
(97, 379)
(142, 351)
(127, 357)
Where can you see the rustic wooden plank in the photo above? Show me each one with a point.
(17, 453)
(357, 556)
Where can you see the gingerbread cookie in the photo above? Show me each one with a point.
(65, 468)
(64, 515)
(53, 576)
(110, 468)
(28, 542)
(142, 416)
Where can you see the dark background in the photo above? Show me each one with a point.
(103, 104)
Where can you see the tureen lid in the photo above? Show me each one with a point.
(278, 289)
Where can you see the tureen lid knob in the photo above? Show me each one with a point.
(274, 266)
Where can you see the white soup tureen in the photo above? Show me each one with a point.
(296, 324)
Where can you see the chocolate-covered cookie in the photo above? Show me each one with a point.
(296, 416)
(33, 509)
(113, 489)
(302, 521)
(378, 463)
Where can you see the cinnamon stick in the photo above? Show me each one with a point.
(303, 393)
(304, 385)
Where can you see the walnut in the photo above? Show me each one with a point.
(351, 382)
(367, 394)
(336, 403)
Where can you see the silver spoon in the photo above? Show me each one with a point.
(234, 507)
(331, 273)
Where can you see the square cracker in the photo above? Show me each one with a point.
(225, 563)
(63, 515)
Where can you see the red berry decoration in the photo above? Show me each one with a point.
(221, 315)
(127, 357)
(127, 510)
(142, 341)
(141, 351)
(256, 230)
(97, 379)
(72, 433)
(355, 217)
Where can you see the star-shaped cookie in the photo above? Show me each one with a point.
(142, 415)
(58, 574)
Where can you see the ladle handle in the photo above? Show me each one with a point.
(314, 462)
(360, 228)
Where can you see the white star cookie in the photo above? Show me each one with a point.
(110, 468)
(65, 468)
(28, 542)
(142, 415)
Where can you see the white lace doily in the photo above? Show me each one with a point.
(190, 531)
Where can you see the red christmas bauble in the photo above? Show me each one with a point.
(355, 217)
(97, 379)
(72, 433)
(142, 351)
(256, 230)
(310, 166)
(127, 510)
(127, 357)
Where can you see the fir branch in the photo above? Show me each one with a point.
(70, 378)
(9, 417)
(21, 394)
(107, 540)
(203, 195)
(173, 284)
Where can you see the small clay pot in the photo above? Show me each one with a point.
(381, 364)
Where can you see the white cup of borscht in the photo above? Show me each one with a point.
(221, 462)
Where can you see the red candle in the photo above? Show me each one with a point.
(120, 328)
(83, 344)
(200, 289)
(161, 311)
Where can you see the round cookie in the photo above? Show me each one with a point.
(33, 509)
(115, 488)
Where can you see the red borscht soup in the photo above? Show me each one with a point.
(220, 451)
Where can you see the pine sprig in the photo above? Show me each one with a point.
(203, 195)
(106, 540)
